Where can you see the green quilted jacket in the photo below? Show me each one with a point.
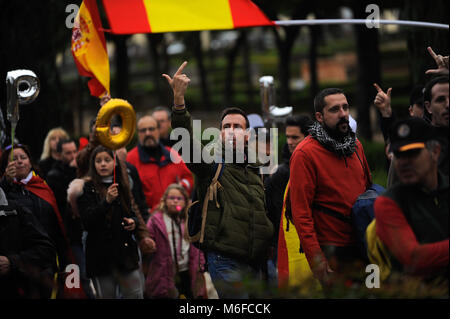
(236, 222)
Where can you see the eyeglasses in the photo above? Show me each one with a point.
(7, 148)
(180, 198)
(143, 130)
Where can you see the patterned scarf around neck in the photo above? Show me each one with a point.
(344, 148)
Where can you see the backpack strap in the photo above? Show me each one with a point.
(333, 213)
(211, 194)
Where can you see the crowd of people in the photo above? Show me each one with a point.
(122, 217)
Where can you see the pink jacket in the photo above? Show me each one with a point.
(160, 278)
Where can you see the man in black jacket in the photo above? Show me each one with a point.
(27, 256)
(275, 185)
(59, 178)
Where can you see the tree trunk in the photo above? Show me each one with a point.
(159, 61)
(284, 45)
(369, 70)
(248, 69)
(314, 83)
(122, 78)
(229, 72)
(205, 99)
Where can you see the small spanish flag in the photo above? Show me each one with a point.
(154, 16)
(89, 48)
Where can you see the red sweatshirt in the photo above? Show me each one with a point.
(319, 176)
(157, 175)
(395, 232)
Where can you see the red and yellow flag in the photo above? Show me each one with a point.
(293, 267)
(89, 48)
(153, 16)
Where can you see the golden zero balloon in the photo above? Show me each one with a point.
(103, 130)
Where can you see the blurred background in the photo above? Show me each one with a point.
(224, 66)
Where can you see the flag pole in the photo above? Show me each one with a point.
(361, 21)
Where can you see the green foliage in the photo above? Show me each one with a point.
(375, 155)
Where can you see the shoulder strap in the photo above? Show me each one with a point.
(211, 194)
(365, 169)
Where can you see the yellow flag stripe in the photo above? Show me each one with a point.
(176, 15)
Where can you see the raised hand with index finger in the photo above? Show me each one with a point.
(383, 101)
(179, 83)
(441, 62)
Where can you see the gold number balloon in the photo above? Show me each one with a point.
(103, 131)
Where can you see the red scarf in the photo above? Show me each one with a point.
(39, 187)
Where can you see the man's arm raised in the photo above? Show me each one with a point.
(441, 63)
(179, 84)
(182, 119)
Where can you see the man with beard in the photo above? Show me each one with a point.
(237, 233)
(158, 165)
(328, 172)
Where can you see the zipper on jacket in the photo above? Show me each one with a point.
(251, 219)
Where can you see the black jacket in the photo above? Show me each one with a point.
(136, 190)
(275, 186)
(109, 246)
(43, 212)
(46, 165)
(31, 254)
(58, 179)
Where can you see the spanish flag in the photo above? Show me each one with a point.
(89, 48)
(293, 267)
(154, 16)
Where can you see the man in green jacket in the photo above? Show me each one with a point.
(237, 232)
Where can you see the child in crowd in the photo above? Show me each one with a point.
(176, 268)
(112, 257)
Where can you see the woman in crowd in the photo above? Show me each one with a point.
(49, 154)
(176, 266)
(25, 187)
(112, 258)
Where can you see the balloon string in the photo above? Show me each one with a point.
(13, 132)
(114, 166)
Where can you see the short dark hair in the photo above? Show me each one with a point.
(319, 100)
(303, 122)
(162, 108)
(416, 96)
(63, 141)
(234, 110)
(430, 84)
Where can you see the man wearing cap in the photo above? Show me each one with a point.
(328, 171)
(412, 216)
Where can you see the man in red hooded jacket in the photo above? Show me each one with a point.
(328, 171)
(158, 165)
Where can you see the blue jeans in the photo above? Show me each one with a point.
(228, 276)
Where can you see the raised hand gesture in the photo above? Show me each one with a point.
(441, 62)
(179, 84)
(383, 101)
